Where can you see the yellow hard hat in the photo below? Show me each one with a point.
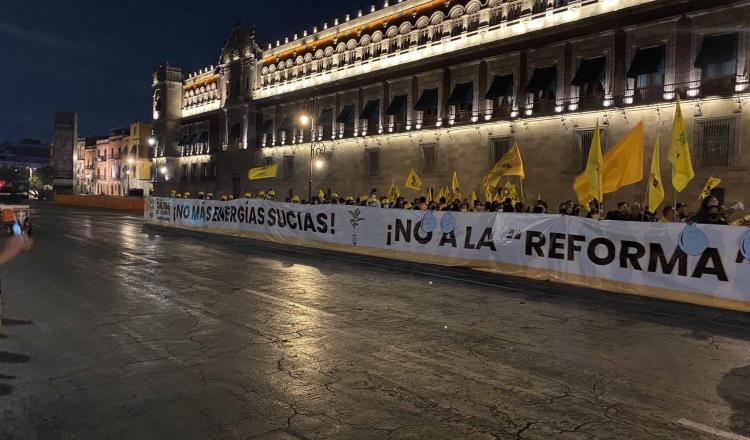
(223, 198)
(407, 205)
(349, 198)
(210, 195)
(272, 193)
(178, 196)
(248, 195)
(334, 196)
(173, 192)
(363, 198)
(295, 199)
(186, 195)
(230, 197)
(261, 194)
(200, 193)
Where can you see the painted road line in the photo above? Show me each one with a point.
(713, 431)
(138, 257)
(291, 303)
(73, 237)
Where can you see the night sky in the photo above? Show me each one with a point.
(95, 57)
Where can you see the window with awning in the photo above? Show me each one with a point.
(203, 138)
(397, 106)
(501, 87)
(371, 110)
(184, 140)
(325, 118)
(194, 138)
(462, 94)
(235, 133)
(543, 80)
(268, 126)
(346, 116)
(286, 125)
(717, 57)
(428, 101)
(647, 61)
(589, 71)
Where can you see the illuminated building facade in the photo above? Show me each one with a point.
(443, 86)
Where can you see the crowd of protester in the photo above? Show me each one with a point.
(710, 210)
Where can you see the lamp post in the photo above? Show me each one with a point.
(317, 148)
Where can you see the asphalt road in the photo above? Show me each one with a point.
(115, 330)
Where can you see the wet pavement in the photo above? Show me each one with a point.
(116, 330)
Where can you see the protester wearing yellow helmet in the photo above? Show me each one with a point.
(295, 198)
(247, 195)
(271, 195)
(261, 194)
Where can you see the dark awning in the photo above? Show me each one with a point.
(428, 100)
(645, 61)
(542, 80)
(235, 132)
(203, 138)
(397, 106)
(502, 86)
(371, 109)
(193, 138)
(347, 115)
(268, 126)
(463, 93)
(590, 70)
(286, 125)
(326, 117)
(184, 140)
(717, 49)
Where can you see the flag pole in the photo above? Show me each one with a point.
(520, 183)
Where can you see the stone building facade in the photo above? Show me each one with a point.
(122, 162)
(450, 86)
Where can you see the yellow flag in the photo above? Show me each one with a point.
(413, 181)
(473, 197)
(393, 193)
(679, 152)
(510, 164)
(321, 195)
(621, 166)
(594, 167)
(712, 183)
(428, 196)
(487, 194)
(455, 188)
(440, 195)
(655, 186)
(498, 197)
(263, 172)
(509, 192)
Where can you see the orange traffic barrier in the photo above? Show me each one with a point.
(132, 204)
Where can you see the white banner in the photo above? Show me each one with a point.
(701, 264)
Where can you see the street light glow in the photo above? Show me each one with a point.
(163, 170)
(319, 163)
(152, 141)
(304, 120)
(130, 160)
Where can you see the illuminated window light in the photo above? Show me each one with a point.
(347, 17)
(451, 121)
(514, 114)
(529, 111)
(359, 13)
(693, 92)
(559, 108)
(418, 126)
(474, 119)
(487, 117)
(573, 107)
(408, 127)
(628, 100)
(439, 123)
(607, 103)
(668, 96)
(740, 87)
(372, 8)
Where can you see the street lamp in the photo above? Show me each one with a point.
(317, 148)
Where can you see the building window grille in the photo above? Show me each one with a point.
(583, 145)
(498, 147)
(372, 162)
(429, 159)
(716, 143)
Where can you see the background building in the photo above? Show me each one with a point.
(451, 86)
(64, 140)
